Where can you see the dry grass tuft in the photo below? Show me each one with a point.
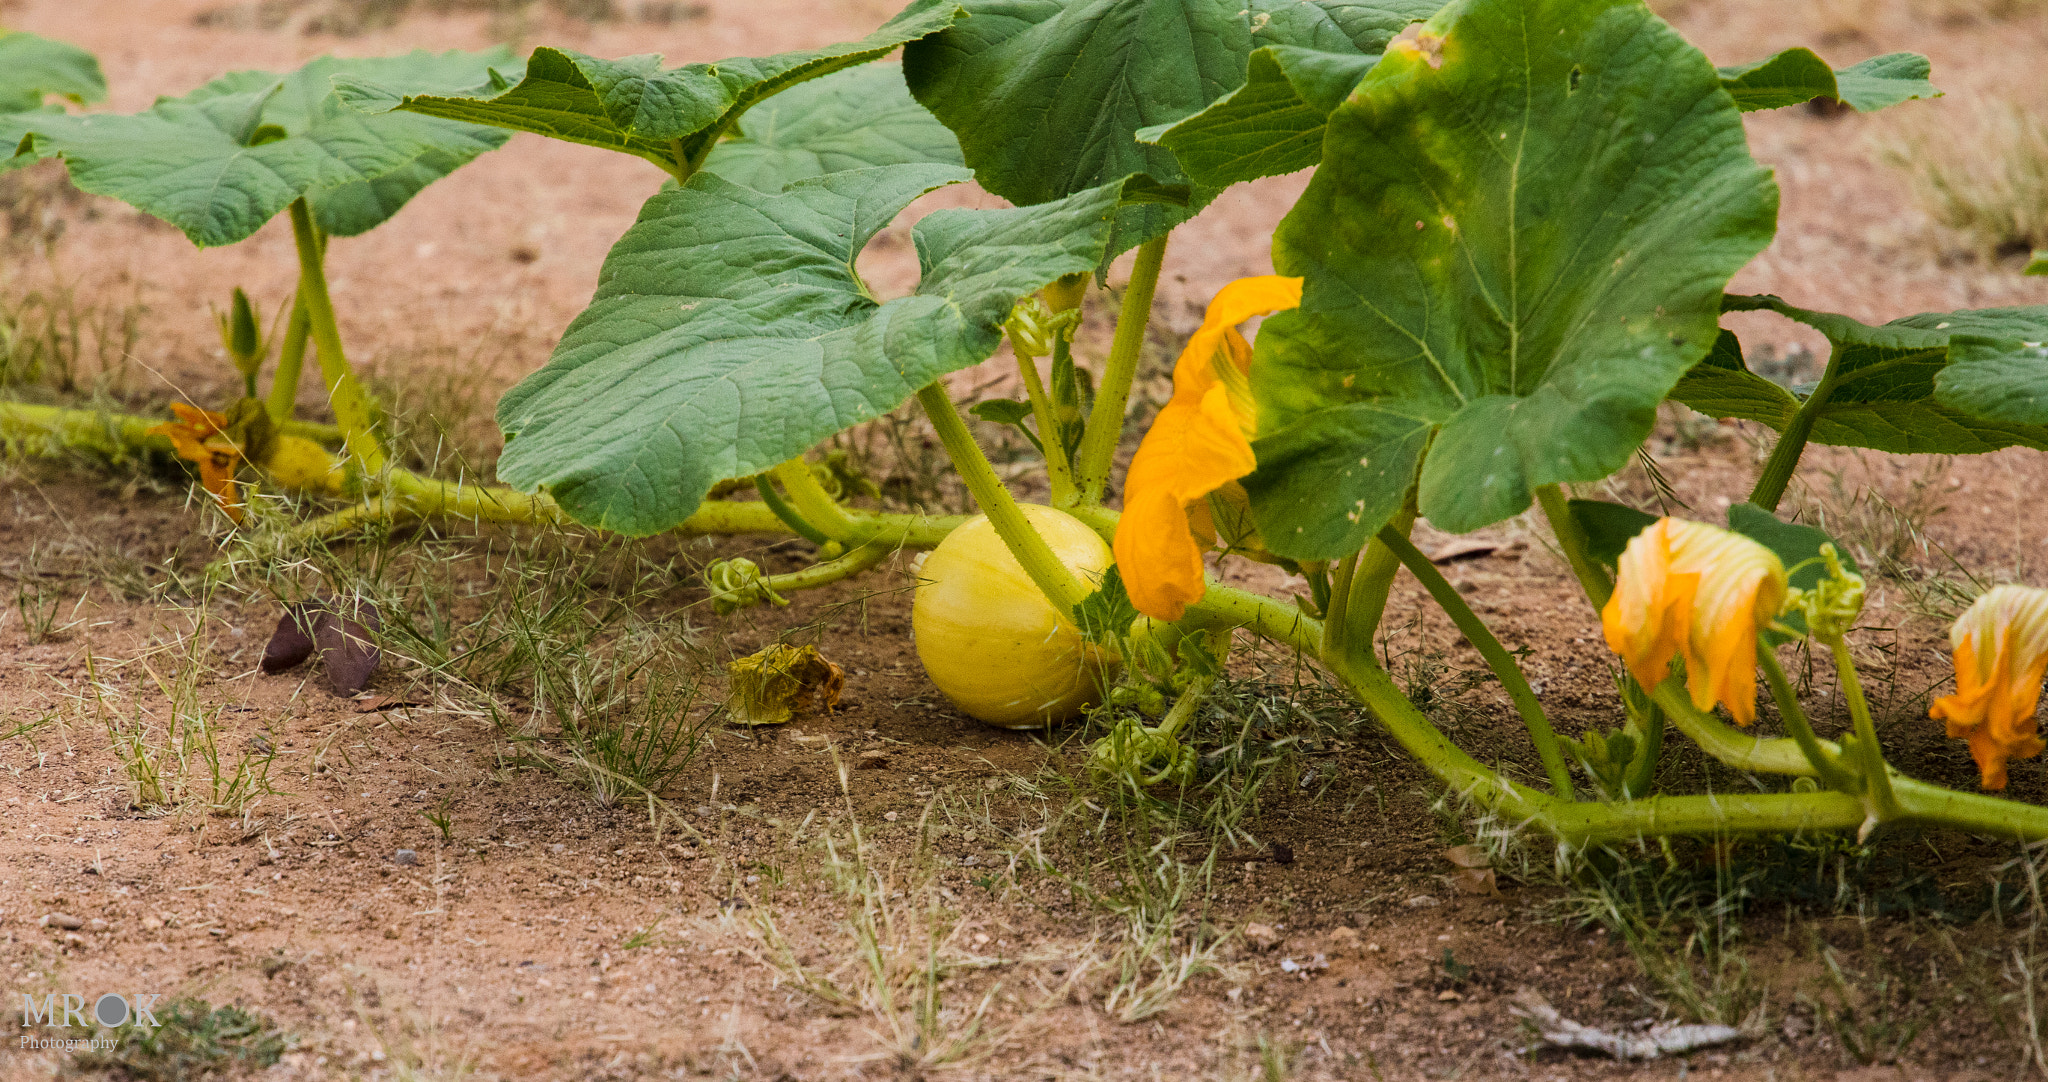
(1981, 170)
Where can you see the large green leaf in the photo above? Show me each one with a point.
(2001, 375)
(1048, 96)
(1516, 246)
(1936, 383)
(33, 68)
(1797, 76)
(1608, 527)
(731, 331)
(1271, 125)
(1274, 123)
(222, 160)
(852, 119)
(671, 117)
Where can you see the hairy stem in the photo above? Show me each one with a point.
(1365, 600)
(1589, 823)
(1052, 577)
(291, 360)
(1877, 778)
(1106, 421)
(1825, 766)
(1577, 551)
(1642, 773)
(1057, 470)
(351, 403)
(1497, 658)
(51, 431)
(1270, 618)
(1784, 461)
(1755, 754)
(865, 558)
(817, 505)
(786, 513)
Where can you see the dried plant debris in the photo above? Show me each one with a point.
(343, 632)
(1553, 1030)
(770, 686)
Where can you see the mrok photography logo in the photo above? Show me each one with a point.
(57, 1011)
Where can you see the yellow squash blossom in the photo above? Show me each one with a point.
(1697, 591)
(1199, 443)
(200, 437)
(2001, 651)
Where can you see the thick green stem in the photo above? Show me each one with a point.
(1059, 473)
(1642, 772)
(1229, 607)
(817, 505)
(864, 558)
(1497, 658)
(1106, 421)
(50, 431)
(1588, 822)
(351, 403)
(1364, 602)
(786, 513)
(1052, 577)
(1784, 460)
(291, 360)
(1577, 551)
(1337, 620)
(1877, 778)
(1753, 754)
(1183, 709)
(1825, 765)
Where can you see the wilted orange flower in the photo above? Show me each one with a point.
(200, 437)
(1690, 589)
(1199, 443)
(2001, 650)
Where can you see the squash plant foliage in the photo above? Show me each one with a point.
(1515, 246)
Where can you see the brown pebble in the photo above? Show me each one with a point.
(63, 920)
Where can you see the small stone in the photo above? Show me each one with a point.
(1282, 854)
(392, 932)
(73, 939)
(871, 759)
(558, 847)
(1261, 936)
(1448, 996)
(63, 920)
(890, 816)
(97, 925)
(406, 856)
(1421, 901)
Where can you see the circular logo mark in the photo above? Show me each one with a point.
(111, 1010)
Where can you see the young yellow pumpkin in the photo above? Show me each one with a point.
(991, 641)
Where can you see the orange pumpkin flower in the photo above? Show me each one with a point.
(2001, 651)
(1200, 442)
(1698, 591)
(200, 437)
